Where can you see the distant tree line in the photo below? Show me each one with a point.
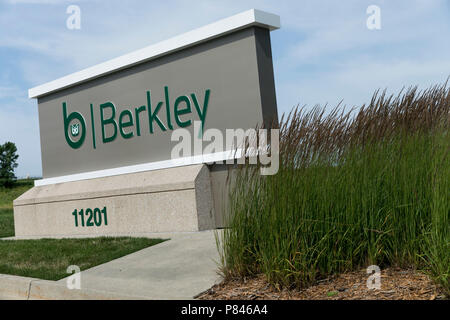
(8, 162)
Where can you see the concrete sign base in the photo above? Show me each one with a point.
(175, 199)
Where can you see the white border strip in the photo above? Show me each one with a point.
(172, 163)
(242, 20)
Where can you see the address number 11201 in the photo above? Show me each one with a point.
(90, 217)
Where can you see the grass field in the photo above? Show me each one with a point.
(7, 195)
(353, 190)
(49, 258)
(6, 223)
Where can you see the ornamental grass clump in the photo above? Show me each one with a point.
(354, 188)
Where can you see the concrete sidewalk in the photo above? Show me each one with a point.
(180, 268)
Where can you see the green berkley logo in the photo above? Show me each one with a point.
(74, 128)
(128, 122)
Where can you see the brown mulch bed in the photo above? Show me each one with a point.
(396, 284)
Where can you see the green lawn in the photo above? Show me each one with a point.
(49, 258)
(7, 195)
(6, 223)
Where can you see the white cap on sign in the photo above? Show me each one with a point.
(220, 28)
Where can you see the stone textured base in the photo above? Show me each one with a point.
(168, 200)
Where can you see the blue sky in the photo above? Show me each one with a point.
(323, 52)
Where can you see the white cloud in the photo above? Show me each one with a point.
(8, 92)
(356, 81)
(39, 1)
(20, 125)
(323, 52)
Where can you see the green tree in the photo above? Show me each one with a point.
(8, 162)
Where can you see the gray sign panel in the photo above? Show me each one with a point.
(127, 117)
